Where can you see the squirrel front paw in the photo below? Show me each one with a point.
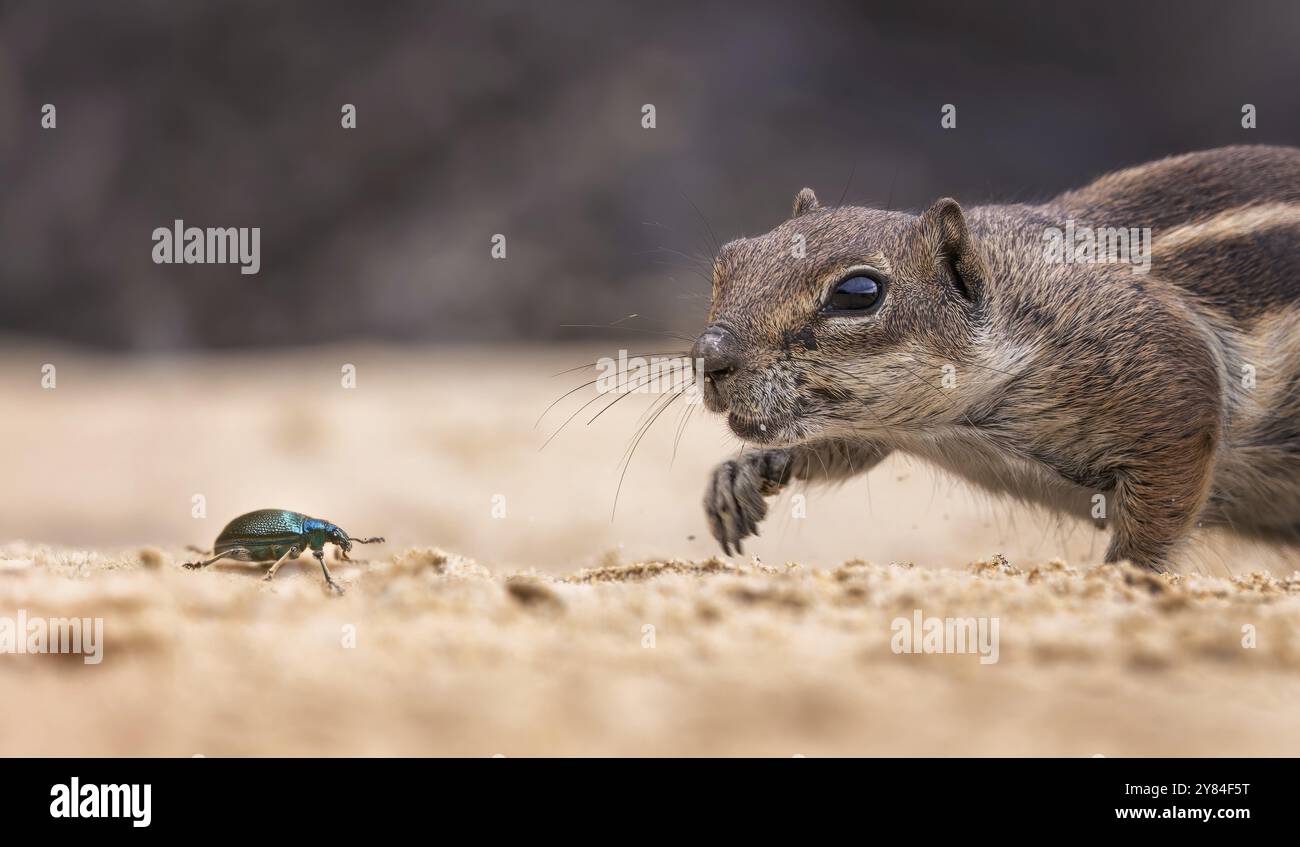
(734, 500)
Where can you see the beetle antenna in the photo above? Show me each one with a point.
(376, 540)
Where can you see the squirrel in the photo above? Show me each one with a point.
(1151, 397)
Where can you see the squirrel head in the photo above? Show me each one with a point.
(841, 319)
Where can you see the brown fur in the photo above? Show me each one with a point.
(1087, 388)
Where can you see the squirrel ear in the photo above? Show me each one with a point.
(944, 227)
(805, 201)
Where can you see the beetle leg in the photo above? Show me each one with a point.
(291, 553)
(320, 557)
(231, 552)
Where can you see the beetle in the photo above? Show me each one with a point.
(275, 535)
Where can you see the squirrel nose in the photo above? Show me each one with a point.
(717, 351)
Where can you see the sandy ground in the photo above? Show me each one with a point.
(550, 626)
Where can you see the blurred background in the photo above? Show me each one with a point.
(525, 119)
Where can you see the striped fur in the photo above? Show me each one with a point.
(1150, 403)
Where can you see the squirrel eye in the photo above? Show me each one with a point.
(856, 293)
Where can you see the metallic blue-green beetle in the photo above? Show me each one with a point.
(275, 535)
